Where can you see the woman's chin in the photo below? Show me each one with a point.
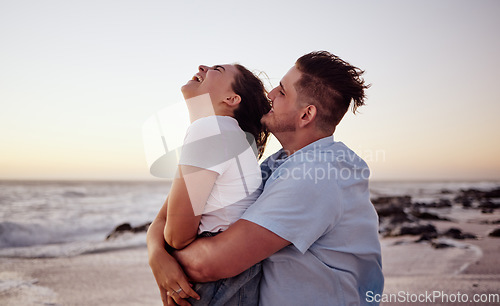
(188, 91)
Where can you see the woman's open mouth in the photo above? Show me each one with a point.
(197, 78)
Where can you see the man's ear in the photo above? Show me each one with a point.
(233, 100)
(308, 115)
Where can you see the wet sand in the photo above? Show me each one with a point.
(471, 267)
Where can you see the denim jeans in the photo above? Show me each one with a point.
(240, 290)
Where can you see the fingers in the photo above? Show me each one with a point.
(170, 301)
(178, 299)
(164, 296)
(187, 291)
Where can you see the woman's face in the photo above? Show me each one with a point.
(215, 80)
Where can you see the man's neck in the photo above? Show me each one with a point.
(294, 141)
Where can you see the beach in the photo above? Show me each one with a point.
(440, 270)
(123, 277)
(111, 278)
(417, 270)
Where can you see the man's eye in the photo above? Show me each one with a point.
(217, 68)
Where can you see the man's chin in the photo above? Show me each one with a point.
(265, 122)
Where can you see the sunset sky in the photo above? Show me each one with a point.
(78, 79)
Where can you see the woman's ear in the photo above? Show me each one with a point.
(308, 115)
(233, 100)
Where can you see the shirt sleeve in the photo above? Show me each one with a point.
(299, 204)
(205, 146)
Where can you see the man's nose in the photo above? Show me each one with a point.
(272, 94)
(203, 68)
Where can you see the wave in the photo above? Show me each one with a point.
(16, 234)
(28, 241)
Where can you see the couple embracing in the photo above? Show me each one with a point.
(298, 230)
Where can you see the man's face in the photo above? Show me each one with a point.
(283, 116)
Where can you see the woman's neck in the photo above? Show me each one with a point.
(203, 106)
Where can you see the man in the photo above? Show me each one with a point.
(313, 226)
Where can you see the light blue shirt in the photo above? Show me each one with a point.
(318, 199)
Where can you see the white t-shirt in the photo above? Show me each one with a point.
(218, 144)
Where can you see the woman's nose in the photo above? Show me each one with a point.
(203, 68)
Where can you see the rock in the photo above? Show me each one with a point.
(394, 200)
(395, 213)
(123, 227)
(495, 193)
(442, 203)
(126, 227)
(141, 228)
(487, 210)
(400, 218)
(495, 233)
(466, 202)
(427, 215)
(456, 233)
(427, 236)
(453, 233)
(412, 229)
(441, 245)
(489, 205)
(389, 210)
(467, 196)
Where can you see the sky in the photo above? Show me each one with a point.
(78, 79)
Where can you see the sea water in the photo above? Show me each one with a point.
(55, 219)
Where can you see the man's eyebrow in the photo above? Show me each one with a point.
(282, 87)
(218, 66)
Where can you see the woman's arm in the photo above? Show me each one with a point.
(167, 272)
(187, 198)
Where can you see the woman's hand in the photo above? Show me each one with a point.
(168, 274)
(171, 279)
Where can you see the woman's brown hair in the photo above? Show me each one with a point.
(254, 104)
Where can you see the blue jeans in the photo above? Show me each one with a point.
(240, 290)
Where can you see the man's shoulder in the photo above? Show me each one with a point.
(323, 156)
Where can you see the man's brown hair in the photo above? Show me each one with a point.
(329, 83)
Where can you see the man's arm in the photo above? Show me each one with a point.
(229, 253)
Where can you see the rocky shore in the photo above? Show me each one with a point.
(400, 216)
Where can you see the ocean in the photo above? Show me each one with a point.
(66, 218)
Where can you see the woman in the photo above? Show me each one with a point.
(218, 178)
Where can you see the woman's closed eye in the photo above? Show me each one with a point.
(219, 68)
